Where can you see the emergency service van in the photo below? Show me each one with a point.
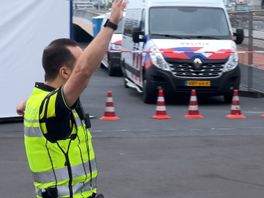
(179, 45)
(112, 58)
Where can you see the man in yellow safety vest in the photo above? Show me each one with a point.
(57, 140)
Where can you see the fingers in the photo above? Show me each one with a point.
(119, 2)
(117, 10)
(123, 4)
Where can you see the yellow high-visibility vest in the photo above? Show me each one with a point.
(69, 165)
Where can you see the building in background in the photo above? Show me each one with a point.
(244, 5)
(256, 4)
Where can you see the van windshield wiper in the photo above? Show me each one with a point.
(170, 36)
(187, 36)
(205, 37)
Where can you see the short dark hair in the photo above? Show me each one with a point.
(55, 55)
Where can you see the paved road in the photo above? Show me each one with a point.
(140, 157)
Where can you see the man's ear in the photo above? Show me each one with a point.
(65, 72)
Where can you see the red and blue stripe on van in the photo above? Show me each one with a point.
(189, 53)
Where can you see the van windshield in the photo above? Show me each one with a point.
(188, 22)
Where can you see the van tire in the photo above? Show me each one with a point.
(228, 98)
(123, 73)
(149, 92)
(111, 71)
(102, 66)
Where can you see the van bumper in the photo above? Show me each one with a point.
(222, 85)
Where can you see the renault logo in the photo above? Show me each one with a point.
(197, 63)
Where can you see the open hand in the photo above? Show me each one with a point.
(118, 8)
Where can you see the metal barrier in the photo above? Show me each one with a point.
(82, 5)
(91, 5)
(252, 61)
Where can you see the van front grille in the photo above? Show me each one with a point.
(186, 69)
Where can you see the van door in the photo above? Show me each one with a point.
(131, 57)
(140, 48)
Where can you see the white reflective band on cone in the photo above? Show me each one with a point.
(161, 99)
(235, 98)
(109, 99)
(193, 108)
(193, 98)
(161, 108)
(109, 109)
(235, 107)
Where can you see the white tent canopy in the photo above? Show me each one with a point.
(26, 28)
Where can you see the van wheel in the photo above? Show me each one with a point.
(228, 98)
(111, 70)
(149, 92)
(102, 66)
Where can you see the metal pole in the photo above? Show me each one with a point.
(250, 49)
(71, 20)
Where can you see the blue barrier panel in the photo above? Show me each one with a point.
(97, 23)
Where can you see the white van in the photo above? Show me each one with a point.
(112, 59)
(179, 45)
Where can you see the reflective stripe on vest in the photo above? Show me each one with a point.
(36, 131)
(62, 174)
(63, 190)
(32, 131)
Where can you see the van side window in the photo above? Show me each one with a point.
(129, 25)
(133, 18)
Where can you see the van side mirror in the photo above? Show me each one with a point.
(239, 34)
(137, 35)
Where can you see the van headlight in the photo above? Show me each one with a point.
(232, 62)
(158, 59)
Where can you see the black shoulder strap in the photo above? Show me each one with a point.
(83, 116)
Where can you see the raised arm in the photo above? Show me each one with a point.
(91, 57)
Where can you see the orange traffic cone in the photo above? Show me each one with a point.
(109, 113)
(161, 113)
(235, 112)
(193, 112)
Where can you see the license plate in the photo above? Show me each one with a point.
(198, 83)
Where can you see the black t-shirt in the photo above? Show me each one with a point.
(57, 116)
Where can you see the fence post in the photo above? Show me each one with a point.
(250, 50)
(71, 19)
